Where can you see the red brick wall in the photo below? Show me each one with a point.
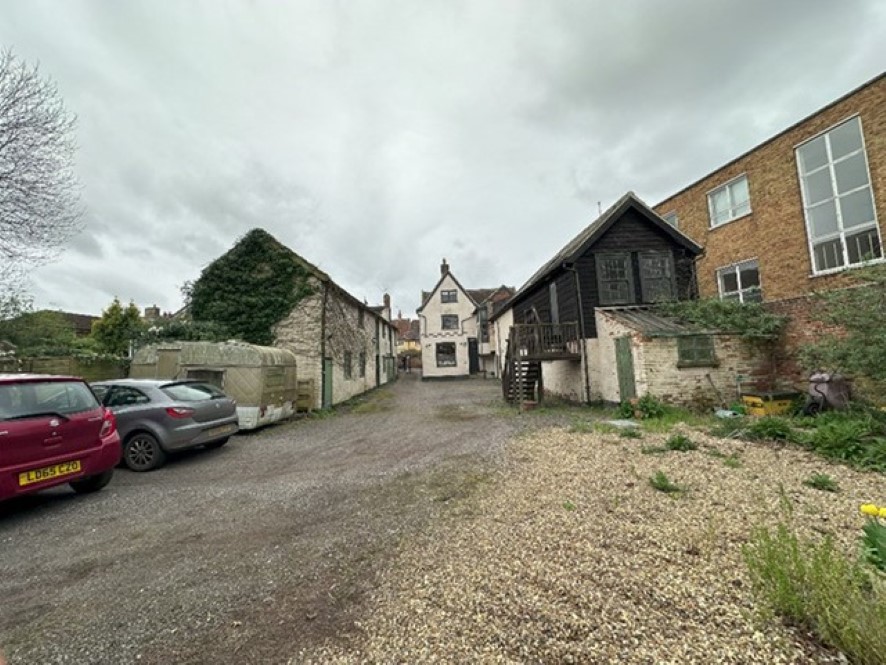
(775, 231)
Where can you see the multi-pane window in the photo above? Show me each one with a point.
(740, 282)
(449, 322)
(360, 318)
(446, 354)
(730, 201)
(449, 295)
(695, 351)
(347, 364)
(615, 279)
(483, 323)
(657, 276)
(671, 218)
(362, 364)
(837, 200)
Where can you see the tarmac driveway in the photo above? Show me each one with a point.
(247, 553)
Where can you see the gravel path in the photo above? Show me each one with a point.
(245, 554)
(568, 555)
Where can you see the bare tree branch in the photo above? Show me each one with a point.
(39, 192)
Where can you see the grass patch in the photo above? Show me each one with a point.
(630, 433)
(733, 461)
(457, 412)
(823, 482)
(376, 402)
(814, 586)
(653, 450)
(662, 483)
(582, 427)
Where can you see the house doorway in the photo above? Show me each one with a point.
(473, 356)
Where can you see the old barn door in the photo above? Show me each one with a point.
(624, 366)
(327, 382)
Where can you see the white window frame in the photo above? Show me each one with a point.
(841, 233)
(728, 187)
(448, 295)
(736, 268)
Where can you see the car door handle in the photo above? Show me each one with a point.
(52, 441)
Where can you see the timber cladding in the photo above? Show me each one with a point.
(774, 232)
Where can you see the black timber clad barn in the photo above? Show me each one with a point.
(628, 256)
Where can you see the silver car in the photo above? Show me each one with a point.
(156, 417)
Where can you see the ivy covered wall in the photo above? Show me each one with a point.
(251, 288)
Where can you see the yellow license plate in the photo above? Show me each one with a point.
(47, 472)
(224, 429)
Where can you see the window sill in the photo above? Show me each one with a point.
(699, 363)
(854, 266)
(712, 227)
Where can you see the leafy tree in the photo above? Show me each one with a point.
(39, 193)
(118, 327)
(859, 314)
(250, 288)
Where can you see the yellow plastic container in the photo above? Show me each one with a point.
(768, 404)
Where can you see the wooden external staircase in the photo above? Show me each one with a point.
(528, 345)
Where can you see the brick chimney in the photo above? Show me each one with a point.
(387, 301)
(152, 313)
(444, 267)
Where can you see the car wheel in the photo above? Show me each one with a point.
(92, 483)
(142, 452)
(212, 445)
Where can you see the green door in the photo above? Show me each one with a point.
(624, 366)
(327, 383)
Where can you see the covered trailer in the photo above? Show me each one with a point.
(261, 378)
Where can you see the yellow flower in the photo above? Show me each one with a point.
(870, 509)
(883, 512)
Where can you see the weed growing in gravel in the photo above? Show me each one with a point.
(680, 442)
(815, 586)
(568, 506)
(769, 428)
(733, 461)
(823, 482)
(662, 483)
(653, 450)
(630, 433)
(728, 428)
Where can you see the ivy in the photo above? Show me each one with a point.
(746, 319)
(251, 288)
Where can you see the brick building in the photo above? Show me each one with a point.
(788, 217)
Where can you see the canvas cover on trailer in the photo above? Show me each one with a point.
(261, 378)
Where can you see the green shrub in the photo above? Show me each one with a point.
(815, 586)
(681, 443)
(822, 481)
(769, 428)
(650, 406)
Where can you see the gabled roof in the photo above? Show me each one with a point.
(594, 231)
(426, 295)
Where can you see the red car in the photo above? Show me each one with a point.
(53, 431)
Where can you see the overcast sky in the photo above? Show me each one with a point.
(376, 137)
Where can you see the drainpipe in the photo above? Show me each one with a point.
(581, 333)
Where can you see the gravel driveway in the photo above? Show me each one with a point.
(250, 553)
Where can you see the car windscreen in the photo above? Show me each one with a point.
(192, 392)
(40, 398)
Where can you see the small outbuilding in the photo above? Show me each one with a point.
(261, 378)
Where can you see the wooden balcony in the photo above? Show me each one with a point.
(545, 341)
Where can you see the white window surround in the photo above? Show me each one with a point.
(734, 205)
(839, 210)
(746, 286)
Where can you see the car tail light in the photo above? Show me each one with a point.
(109, 424)
(179, 411)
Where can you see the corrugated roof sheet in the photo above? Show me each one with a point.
(652, 324)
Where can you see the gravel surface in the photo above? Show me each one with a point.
(567, 554)
(248, 553)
